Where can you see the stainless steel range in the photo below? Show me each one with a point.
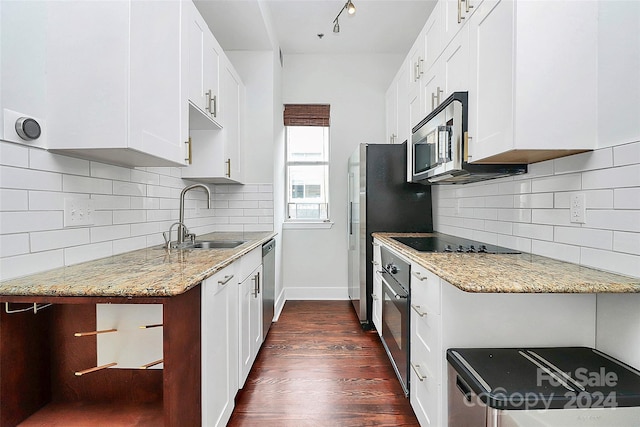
(445, 243)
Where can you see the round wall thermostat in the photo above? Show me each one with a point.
(28, 129)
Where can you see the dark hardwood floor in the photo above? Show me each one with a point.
(318, 368)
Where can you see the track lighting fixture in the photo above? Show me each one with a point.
(351, 10)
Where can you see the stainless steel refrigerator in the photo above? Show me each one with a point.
(380, 200)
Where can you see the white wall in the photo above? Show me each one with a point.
(132, 209)
(315, 263)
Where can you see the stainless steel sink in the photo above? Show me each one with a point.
(214, 244)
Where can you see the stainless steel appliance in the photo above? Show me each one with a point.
(380, 199)
(438, 242)
(559, 386)
(395, 313)
(268, 285)
(440, 148)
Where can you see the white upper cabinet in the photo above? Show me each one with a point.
(113, 80)
(204, 72)
(533, 90)
(216, 155)
(397, 108)
(22, 68)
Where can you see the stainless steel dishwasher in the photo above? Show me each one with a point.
(268, 285)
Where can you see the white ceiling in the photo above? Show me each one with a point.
(379, 26)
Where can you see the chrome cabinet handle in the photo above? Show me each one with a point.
(228, 162)
(416, 308)
(460, 17)
(375, 263)
(256, 285)
(225, 280)
(375, 297)
(418, 275)
(208, 95)
(420, 67)
(215, 106)
(189, 157)
(418, 374)
(468, 2)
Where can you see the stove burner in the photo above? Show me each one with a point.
(450, 244)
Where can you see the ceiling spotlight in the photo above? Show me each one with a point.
(351, 10)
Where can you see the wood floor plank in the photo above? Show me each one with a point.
(319, 368)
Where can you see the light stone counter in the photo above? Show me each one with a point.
(150, 272)
(512, 273)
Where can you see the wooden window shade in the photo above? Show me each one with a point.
(306, 115)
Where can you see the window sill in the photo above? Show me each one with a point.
(301, 225)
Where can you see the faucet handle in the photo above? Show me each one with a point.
(191, 236)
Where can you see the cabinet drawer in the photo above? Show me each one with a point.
(426, 345)
(425, 289)
(248, 263)
(425, 400)
(220, 280)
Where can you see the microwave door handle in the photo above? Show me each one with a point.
(444, 143)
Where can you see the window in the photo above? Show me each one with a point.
(307, 162)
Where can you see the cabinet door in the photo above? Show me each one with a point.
(23, 67)
(434, 86)
(250, 326)
(219, 347)
(433, 36)
(455, 59)
(155, 99)
(492, 87)
(231, 111)
(198, 30)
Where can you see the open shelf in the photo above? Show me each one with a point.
(82, 414)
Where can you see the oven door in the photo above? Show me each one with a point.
(395, 327)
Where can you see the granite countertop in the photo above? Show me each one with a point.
(150, 272)
(512, 273)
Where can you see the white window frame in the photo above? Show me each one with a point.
(301, 222)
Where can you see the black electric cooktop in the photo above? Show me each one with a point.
(445, 243)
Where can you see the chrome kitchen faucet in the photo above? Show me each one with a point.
(183, 233)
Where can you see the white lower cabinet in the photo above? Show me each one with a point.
(249, 312)
(219, 347)
(443, 317)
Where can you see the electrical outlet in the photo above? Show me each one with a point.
(578, 208)
(78, 212)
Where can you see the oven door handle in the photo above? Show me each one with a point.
(394, 293)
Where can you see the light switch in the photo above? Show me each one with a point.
(78, 212)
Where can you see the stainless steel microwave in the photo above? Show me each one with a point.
(440, 146)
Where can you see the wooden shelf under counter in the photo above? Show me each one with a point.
(39, 356)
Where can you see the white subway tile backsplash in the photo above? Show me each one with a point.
(51, 201)
(626, 242)
(23, 265)
(58, 239)
(557, 183)
(78, 254)
(27, 179)
(14, 244)
(100, 170)
(619, 220)
(505, 201)
(554, 250)
(533, 231)
(132, 208)
(514, 215)
(624, 176)
(539, 169)
(551, 216)
(110, 232)
(594, 199)
(14, 155)
(627, 154)
(626, 198)
(80, 184)
(616, 262)
(14, 200)
(20, 222)
(580, 236)
(46, 161)
(591, 160)
(129, 189)
(538, 200)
